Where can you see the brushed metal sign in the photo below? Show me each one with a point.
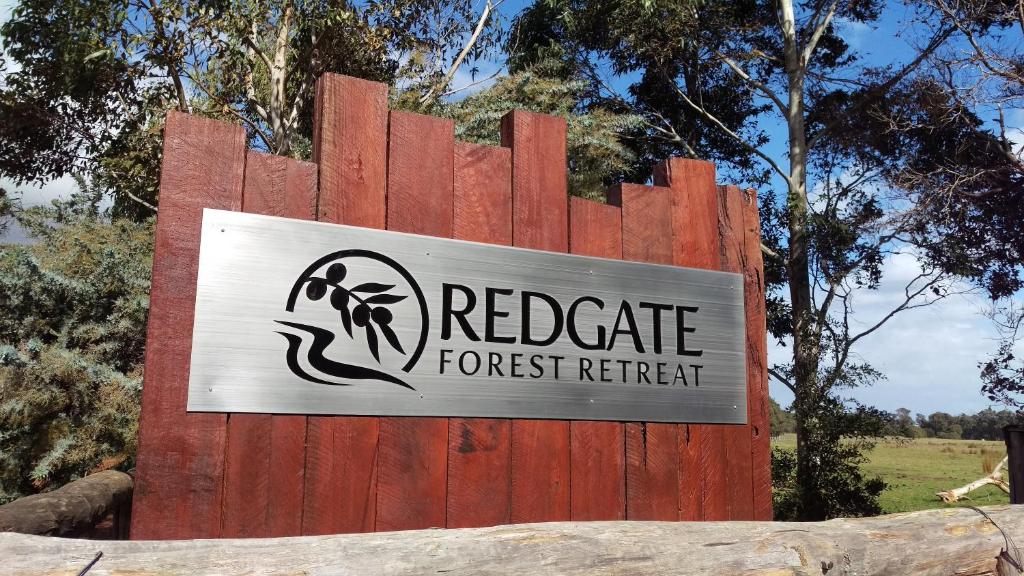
(311, 318)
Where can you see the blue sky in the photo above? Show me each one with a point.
(929, 355)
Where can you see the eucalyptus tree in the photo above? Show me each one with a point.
(85, 84)
(768, 90)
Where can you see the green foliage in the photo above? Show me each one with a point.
(780, 421)
(660, 51)
(72, 334)
(915, 469)
(596, 151)
(842, 435)
(88, 83)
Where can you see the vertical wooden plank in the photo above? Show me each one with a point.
(738, 455)
(597, 453)
(483, 194)
(179, 484)
(286, 482)
(281, 187)
(246, 477)
(540, 448)
(350, 148)
(479, 449)
(652, 452)
(265, 456)
(691, 485)
(757, 359)
(696, 245)
(412, 469)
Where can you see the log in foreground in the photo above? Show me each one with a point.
(73, 507)
(949, 541)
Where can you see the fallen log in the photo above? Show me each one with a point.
(995, 478)
(72, 508)
(948, 541)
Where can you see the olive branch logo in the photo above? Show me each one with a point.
(366, 306)
(367, 312)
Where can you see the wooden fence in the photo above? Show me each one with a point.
(203, 475)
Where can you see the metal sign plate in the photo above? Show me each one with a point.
(311, 318)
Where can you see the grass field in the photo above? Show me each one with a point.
(915, 470)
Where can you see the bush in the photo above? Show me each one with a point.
(72, 335)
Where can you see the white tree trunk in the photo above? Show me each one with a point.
(948, 541)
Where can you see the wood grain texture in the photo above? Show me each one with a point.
(287, 472)
(696, 245)
(265, 455)
(246, 477)
(421, 168)
(652, 451)
(691, 485)
(180, 466)
(926, 543)
(413, 464)
(411, 473)
(350, 126)
(73, 509)
(480, 449)
(479, 467)
(540, 448)
(483, 194)
(350, 148)
(539, 185)
(757, 359)
(597, 465)
(738, 455)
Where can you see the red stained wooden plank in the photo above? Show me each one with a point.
(411, 473)
(739, 489)
(757, 359)
(539, 186)
(695, 235)
(691, 486)
(350, 147)
(479, 449)
(597, 469)
(483, 194)
(421, 167)
(341, 479)
(479, 463)
(595, 229)
(266, 454)
(179, 484)
(286, 482)
(540, 448)
(412, 469)
(652, 453)
(245, 476)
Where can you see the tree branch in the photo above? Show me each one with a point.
(780, 378)
(755, 83)
(742, 142)
(883, 88)
(440, 86)
(819, 30)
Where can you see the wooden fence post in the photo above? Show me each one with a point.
(1014, 438)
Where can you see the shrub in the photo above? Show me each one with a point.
(72, 335)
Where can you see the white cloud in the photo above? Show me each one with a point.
(930, 355)
(854, 33)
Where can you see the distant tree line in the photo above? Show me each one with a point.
(985, 425)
